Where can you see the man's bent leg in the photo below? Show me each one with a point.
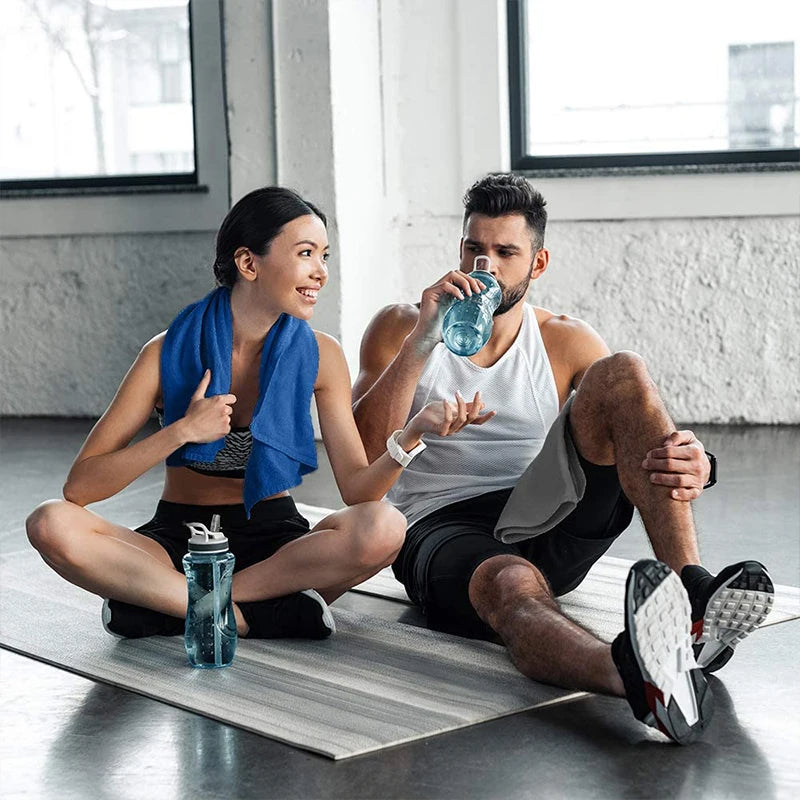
(512, 596)
(616, 418)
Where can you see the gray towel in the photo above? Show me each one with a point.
(548, 490)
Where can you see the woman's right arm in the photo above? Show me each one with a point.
(106, 464)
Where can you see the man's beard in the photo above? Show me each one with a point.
(513, 294)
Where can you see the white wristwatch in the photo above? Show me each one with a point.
(398, 454)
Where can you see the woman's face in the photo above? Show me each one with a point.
(294, 268)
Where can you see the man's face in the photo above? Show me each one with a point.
(507, 242)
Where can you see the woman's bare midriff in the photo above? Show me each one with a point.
(183, 485)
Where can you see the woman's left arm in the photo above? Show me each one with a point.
(357, 479)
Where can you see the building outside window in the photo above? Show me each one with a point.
(96, 90)
(617, 84)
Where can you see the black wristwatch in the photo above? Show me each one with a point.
(712, 478)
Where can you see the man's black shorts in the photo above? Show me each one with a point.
(442, 550)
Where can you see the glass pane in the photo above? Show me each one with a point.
(95, 88)
(620, 77)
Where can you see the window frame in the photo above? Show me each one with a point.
(614, 163)
(146, 203)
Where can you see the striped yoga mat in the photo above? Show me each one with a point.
(374, 684)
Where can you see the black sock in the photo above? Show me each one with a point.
(696, 580)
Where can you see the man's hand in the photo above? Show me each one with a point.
(681, 462)
(444, 419)
(435, 301)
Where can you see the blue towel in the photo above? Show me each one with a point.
(200, 338)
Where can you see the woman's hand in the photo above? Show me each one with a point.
(445, 419)
(207, 418)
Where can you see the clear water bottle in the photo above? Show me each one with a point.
(210, 635)
(467, 325)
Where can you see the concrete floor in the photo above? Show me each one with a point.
(63, 736)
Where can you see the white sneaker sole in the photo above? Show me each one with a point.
(662, 643)
(327, 617)
(106, 617)
(733, 612)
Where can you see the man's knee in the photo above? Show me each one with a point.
(502, 581)
(618, 376)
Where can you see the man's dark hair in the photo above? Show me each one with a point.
(502, 193)
(253, 223)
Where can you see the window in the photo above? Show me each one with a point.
(106, 98)
(615, 85)
(170, 187)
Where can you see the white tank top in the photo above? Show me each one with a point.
(480, 458)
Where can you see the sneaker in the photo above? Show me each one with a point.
(127, 621)
(303, 615)
(663, 685)
(726, 609)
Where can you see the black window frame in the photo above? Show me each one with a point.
(695, 161)
(102, 184)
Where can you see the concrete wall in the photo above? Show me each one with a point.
(383, 112)
(712, 304)
(75, 310)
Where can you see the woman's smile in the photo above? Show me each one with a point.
(309, 294)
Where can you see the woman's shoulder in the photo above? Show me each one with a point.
(148, 362)
(332, 363)
(327, 344)
(151, 350)
(155, 344)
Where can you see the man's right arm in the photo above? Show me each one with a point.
(394, 350)
(391, 362)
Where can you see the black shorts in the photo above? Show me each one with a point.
(272, 524)
(442, 550)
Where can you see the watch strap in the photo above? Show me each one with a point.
(402, 457)
(712, 477)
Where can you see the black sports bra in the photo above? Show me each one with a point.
(231, 460)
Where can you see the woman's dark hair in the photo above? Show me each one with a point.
(253, 223)
(501, 193)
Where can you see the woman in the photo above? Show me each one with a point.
(232, 380)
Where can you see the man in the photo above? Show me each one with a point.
(515, 510)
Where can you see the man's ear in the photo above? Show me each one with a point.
(245, 263)
(461, 250)
(540, 262)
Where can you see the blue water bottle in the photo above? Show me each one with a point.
(210, 636)
(467, 325)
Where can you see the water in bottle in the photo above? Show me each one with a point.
(210, 635)
(467, 325)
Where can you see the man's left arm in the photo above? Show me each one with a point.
(682, 463)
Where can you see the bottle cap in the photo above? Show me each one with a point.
(207, 540)
(480, 271)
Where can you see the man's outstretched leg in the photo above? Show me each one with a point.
(617, 417)
(650, 663)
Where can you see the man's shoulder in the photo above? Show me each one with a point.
(393, 321)
(568, 338)
(560, 325)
